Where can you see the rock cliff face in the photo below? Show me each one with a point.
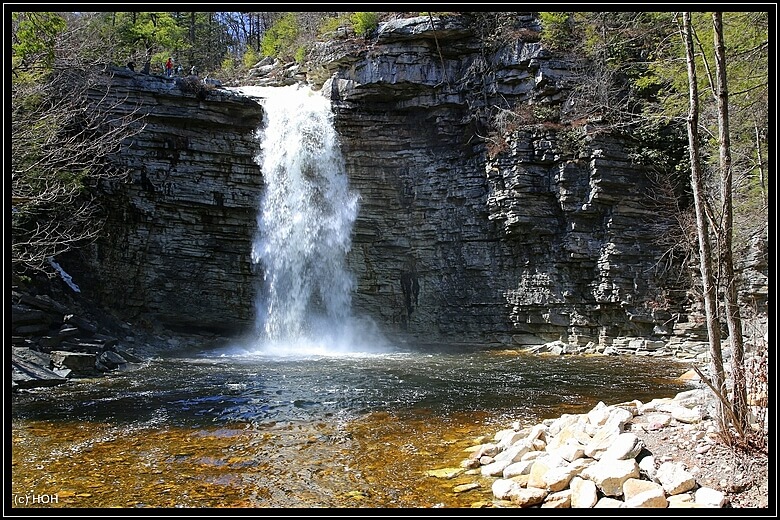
(546, 236)
(537, 233)
(179, 229)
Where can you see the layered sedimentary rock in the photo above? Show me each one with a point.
(543, 233)
(176, 252)
(519, 234)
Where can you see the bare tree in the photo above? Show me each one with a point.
(65, 122)
(733, 318)
(702, 227)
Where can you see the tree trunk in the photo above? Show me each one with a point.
(148, 59)
(702, 230)
(733, 317)
(761, 181)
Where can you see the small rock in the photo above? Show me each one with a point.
(465, 487)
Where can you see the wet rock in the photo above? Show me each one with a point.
(27, 374)
(111, 359)
(128, 356)
(445, 473)
(21, 315)
(32, 329)
(82, 346)
(462, 488)
(43, 302)
(83, 324)
(80, 363)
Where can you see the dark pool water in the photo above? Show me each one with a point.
(228, 428)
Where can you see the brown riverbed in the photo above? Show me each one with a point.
(378, 461)
(377, 458)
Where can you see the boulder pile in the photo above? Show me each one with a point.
(596, 459)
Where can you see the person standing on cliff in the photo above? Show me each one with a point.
(169, 67)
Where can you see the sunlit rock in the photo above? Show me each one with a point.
(609, 475)
(709, 497)
(583, 493)
(674, 478)
(558, 500)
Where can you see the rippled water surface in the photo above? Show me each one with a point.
(250, 430)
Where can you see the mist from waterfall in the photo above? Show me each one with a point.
(304, 227)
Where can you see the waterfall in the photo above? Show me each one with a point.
(304, 223)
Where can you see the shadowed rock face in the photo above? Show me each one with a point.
(548, 239)
(545, 233)
(179, 229)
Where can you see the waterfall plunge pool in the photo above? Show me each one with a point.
(241, 429)
(277, 425)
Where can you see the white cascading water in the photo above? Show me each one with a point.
(304, 224)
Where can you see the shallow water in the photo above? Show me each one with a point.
(251, 430)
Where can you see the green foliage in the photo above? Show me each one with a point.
(546, 113)
(280, 38)
(746, 39)
(619, 37)
(158, 31)
(660, 145)
(571, 142)
(147, 27)
(150, 37)
(665, 88)
(208, 40)
(33, 39)
(332, 24)
(364, 23)
(23, 279)
(557, 29)
(648, 85)
(228, 64)
(251, 57)
(300, 54)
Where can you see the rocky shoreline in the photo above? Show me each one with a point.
(53, 342)
(603, 458)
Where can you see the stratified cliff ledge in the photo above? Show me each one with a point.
(543, 232)
(176, 252)
(545, 240)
